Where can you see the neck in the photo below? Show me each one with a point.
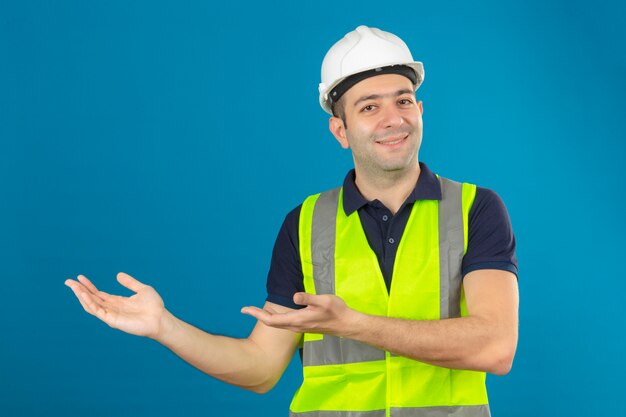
(391, 189)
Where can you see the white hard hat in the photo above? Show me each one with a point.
(362, 50)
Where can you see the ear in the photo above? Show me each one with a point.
(337, 128)
(420, 105)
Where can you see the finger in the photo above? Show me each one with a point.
(82, 303)
(290, 320)
(70, 283)
(269, 318)
(91, 303)
(130, 282)
(85, 281)
(93, 307)
(82, 295)
(270, 309)
(257, 313)
(76, 286)
(304, 299)
(92, 288)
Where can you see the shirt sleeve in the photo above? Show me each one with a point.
(491, 242)
(285, 278)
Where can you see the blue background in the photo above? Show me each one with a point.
(169, 139)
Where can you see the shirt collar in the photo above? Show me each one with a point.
(426, 188)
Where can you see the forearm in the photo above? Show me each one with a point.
(238, 362)
(255, 363)
(484, 340)
(472, 343)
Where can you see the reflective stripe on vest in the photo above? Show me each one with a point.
(343, 377)
(466, 411)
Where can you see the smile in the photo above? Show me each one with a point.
(392, 140)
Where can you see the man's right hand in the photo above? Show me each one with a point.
(140, 314)
(254, 363)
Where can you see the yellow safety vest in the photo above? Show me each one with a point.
(346, 378)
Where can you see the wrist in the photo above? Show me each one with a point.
(167, 325)
(354, 323)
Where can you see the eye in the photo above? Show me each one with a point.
(405, 101)
(368, 108)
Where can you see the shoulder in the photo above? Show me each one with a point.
(288, 234)
(291, 223)
(491, 241)
(487, 203)
(294, 215)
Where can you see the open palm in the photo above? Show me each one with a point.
(139, 314)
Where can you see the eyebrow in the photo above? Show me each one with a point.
(377, 96)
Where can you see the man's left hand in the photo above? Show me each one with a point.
(327, 314)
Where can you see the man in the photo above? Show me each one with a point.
(401, 285)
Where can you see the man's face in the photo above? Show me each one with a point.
(385, 124)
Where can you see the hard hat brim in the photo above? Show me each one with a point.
(325, 101)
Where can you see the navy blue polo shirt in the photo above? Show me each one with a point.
(491, 243)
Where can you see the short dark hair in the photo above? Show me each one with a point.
(339, 110)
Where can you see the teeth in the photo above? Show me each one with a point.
(391, 143)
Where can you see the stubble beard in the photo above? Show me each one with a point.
(374, 165)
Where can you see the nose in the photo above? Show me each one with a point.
(391, 117)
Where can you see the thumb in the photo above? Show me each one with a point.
(129, 282)
(303, 298)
